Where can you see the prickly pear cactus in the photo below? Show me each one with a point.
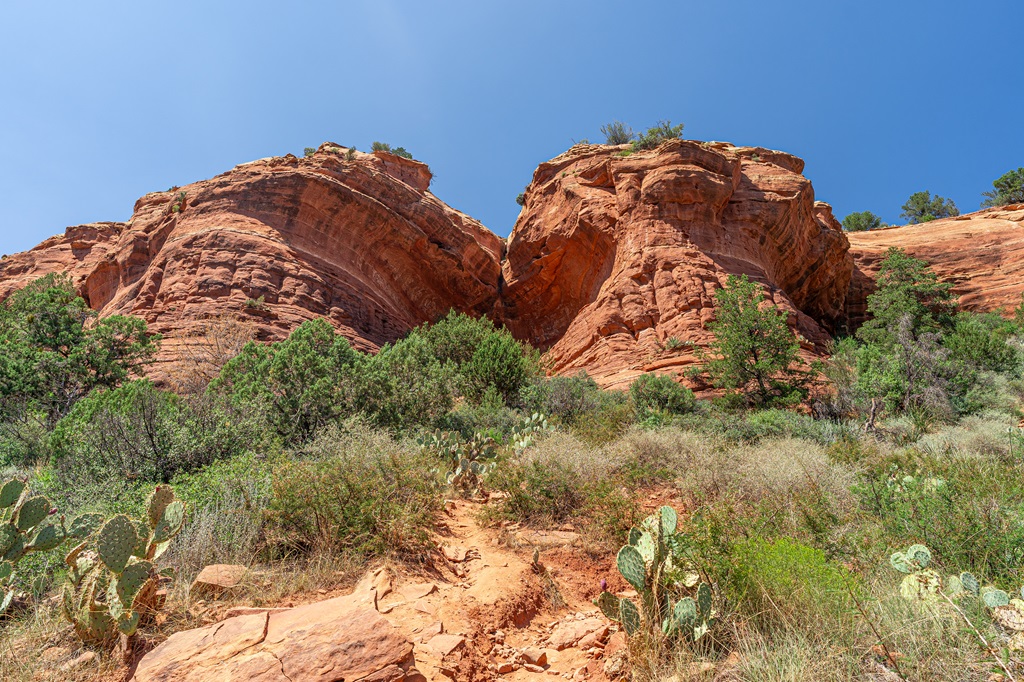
(646, 564)
(468, 461)
(31, 524)
(112, 582)
(525, 435)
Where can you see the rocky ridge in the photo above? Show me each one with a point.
(611, 267)
(981, 254)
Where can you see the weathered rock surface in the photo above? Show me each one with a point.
(981, 254)
(330, 641)
(612, 255)
(360, 242)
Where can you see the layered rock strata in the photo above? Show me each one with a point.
(355, 238)
(615, 259)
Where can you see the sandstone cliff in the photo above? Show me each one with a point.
(614, 259)
(614, 255)
(361, 242)
(981, 254)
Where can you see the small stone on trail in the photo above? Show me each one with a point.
(455, 554)
(217, 578)
(533, 668)
(79, 661)
(535, 656)
(445, 644)
(505, 668)
(423, 606)
(417, 591)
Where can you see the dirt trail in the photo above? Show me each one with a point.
(490, 613)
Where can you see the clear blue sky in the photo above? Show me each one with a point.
(103, 102)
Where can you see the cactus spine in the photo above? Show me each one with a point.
(112, 582)
(646, 564)
(25, 527)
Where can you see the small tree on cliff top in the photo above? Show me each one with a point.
(1008, 189)
(754, 349)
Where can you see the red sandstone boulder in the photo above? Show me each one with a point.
(331, 641)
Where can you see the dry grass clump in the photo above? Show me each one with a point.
(989, 434)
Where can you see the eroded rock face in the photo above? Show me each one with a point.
(981, 254)
(611, 259)
(360, 242)
(614, 255)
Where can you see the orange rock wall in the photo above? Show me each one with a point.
(362, 243)
(614, 255)
(981, 254)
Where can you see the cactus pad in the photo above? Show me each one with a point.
(634, 536)
(128, 623)
(10, 492)
(609, 605)
(629, 615)
(32, 513)
(685, 613)
(669, 519)
(953, 586)
(631, 566)
(970, 583)
(8, 536)
(16, 550)
(47, 538)
(5, 602)
(131, 581)
(920, 555)
(1009, 617)
(647, 547)
(171, 522)
(6, 569)
(704, 601)
(141, 548)
(994, 598)
(158, 500)
(116, 541)
(83, 526)
(922, 585)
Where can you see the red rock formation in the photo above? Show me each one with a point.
(981, 254)
(611, 258)
(614, 255)
(361, 242)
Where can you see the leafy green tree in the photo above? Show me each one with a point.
(502, 363)
(300, 384)
(922, 207)
(617, 132)
(56, 350)
(456, 336)
(658, 392)
(982, 341)
(906, 287)
(754, 349)
(1008, 189)
(404, 385)
(862, 222)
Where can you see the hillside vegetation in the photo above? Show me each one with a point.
(804, 494)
